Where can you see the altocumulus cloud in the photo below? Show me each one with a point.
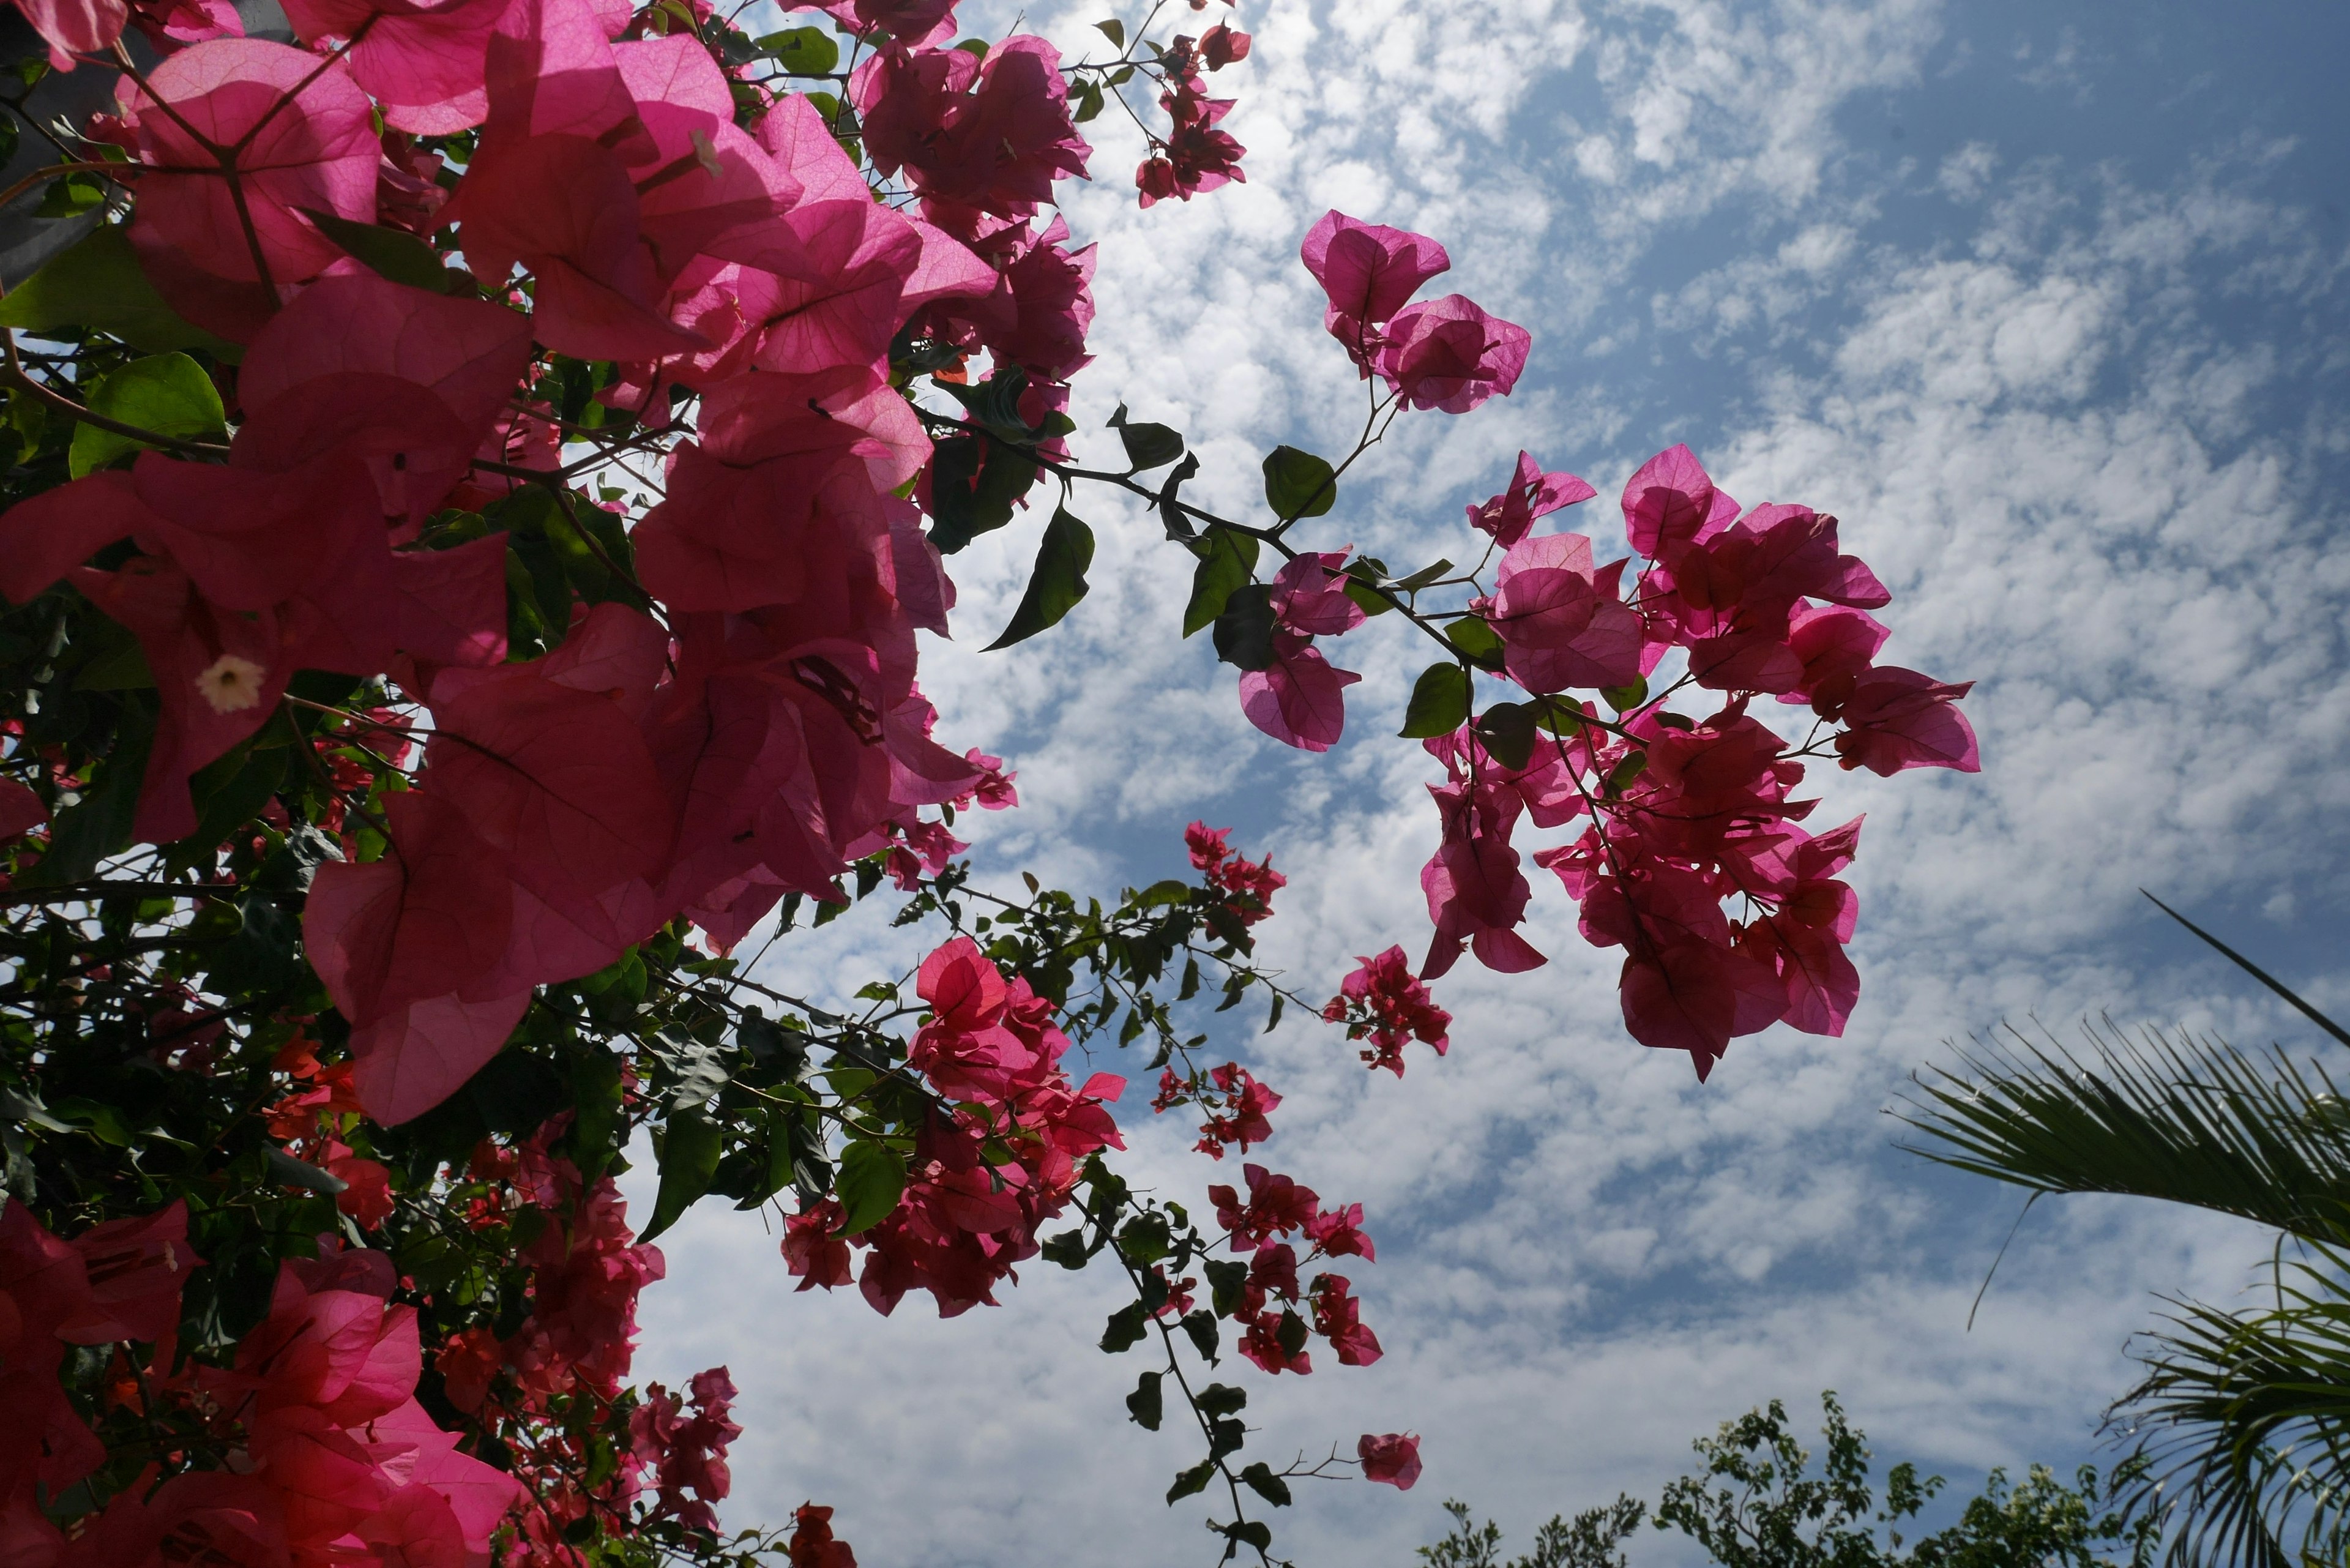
(2078, 412)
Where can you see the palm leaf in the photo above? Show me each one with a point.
(2243, 1423)
(2193, 1121)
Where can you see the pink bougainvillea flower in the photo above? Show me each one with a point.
(1833, 646)
(1382, 1001)
(1370, 271)
(1897, 718)
(1532, 494)
(1560, 621)
(287, 130)
(1310, 597)
(135, 1268)
(1449, 354)
(1693, 995)
(1300, 699)
(912, 21)
(73, 28)
(1392, 1457)
(1476, 894)
(565, 208)
(991, 134)
(1670, 502)
(21, 810)
(423, 60)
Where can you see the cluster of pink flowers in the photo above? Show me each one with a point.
(1238, 1106)
(759, 726)
(963, 1224)
(687, 1453)
(1274, 1335)
(1247, 886)
(1382, 1002)
(1194, 155)
(1684, 813)
(332, 1461)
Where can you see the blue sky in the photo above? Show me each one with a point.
(2046, 302)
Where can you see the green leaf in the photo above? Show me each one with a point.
(1221, 1399)
(1298, 483)
(597, 1121)
(1194, 1479)
(1201, 1327)
(801, 51)
(1144, 1404)
(1089, 101)
(394, 254)
(1244, 631)
(1170, 509)
(1432, 573)
(1149, 446)
(1506, 731)
(1125, 1328)
(872, 1178)
(1473, 637)
(167, 393)
(70, 195)
(1114, 30)
(1259, 1478)
(1624, 698)
(1057, 583)
(1251, 1533)
(97, 283)
(689, 1159)
(974, 482)
(1621, 775)
(1439, 702)
(1227, 561)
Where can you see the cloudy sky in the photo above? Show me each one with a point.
(2047, 303)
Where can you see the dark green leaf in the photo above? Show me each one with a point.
(1194, 1479)
(1201, 1327)
(1114, 30)
(872, 1178)
(1631, 767)
(1144, 1405)
(1298, 484)
(1066, 1249)
(1243, 632)
(166, 393)
(1624, 698)
(1221, 1399)
(1087, 95)
(1057, 583)
(1506, 731)
(1227, 561)
(1226, 1281)
(1259, 1478)
(394, 254)
(97, 283)
(98, 824)
(1432, 573)
(1171, 511)
(1226, 1437)
(289, 1172)
(1252, 1532)
(596, 1120)
(689, 1159)
(1473, 637)
(801, 51)
(975, 483)
(1125, 1328)
(1149, 446)
(1439, 702)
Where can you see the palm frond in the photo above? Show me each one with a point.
(2190, 1120)
(2255, 970)
(2243, 1423)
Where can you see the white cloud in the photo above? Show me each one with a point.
(2055, 442)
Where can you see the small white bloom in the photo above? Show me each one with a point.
(231, 684)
